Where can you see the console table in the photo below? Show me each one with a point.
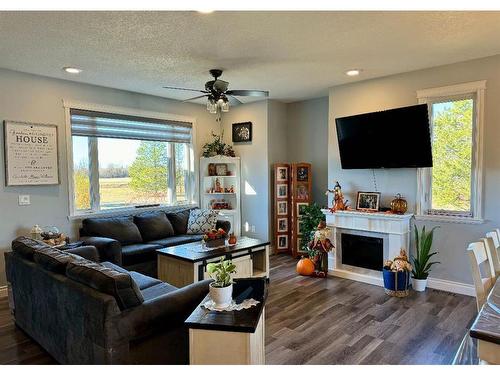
(185, 264)
(230, 337)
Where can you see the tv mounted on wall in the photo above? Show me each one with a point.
(396, 138)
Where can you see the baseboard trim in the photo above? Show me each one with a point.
(451, 286)
(3, 291)
(439, 284)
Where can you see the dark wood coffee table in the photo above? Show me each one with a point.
(185, 264)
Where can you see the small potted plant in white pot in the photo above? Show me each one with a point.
(421, 262)
(221, 289)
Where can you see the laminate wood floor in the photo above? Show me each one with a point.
(339, 321)
(326, 321)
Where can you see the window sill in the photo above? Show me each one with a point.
(450, 219)
(127, 211)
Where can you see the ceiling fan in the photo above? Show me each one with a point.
(217, 93)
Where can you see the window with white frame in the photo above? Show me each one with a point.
(122, 161)
(452, 187)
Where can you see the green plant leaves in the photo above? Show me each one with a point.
(221, 272)
(423, 244)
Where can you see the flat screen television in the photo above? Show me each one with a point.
(396, 138)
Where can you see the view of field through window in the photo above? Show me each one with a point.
(131, 172)
(452, 123)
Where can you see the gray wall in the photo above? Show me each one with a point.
(400, 90)
(277, 149)
(254, 166)
(307, 141)
(26, 97)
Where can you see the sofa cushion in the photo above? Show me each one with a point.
(157, 291)
(177, 240)
(54, 260)
(139, 253)
(179, 220)
(201, 221)
(154, 225)
(143, 281)
(26, 247)
(122, 229)
(106, 280)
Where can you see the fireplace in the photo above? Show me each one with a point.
(362, 251)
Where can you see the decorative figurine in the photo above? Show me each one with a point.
(338, 203)
(218, 188)
(319, 248)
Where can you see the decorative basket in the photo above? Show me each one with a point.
(396, 284)
(219, 242)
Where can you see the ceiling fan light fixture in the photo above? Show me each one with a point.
(225, 106)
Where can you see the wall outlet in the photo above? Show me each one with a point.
(24, 200)
(253, 228)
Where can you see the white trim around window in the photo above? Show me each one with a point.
(194, 164)
(475, 89)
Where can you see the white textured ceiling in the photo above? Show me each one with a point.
(294, 55)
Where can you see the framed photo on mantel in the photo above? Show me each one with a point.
(31, 155)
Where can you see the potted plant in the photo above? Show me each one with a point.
(215, 238)
(421, 262)
(221, 289)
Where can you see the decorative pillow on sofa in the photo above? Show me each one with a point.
(121, 229)
(106, 280)
(154, 226)
(26, 247)
(201, 221)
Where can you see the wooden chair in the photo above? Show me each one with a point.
(479, 259)
(493, 251)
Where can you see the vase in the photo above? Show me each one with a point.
(222, 297)
(419, 284)
(399, 205)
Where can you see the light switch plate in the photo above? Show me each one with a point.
(24, 200)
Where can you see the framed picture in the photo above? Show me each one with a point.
(242, 132)
(368, 201)
(282, 241)
(300, 208)
(282, 191)
(283, 208)
(282, 224)
(302, 174)
(220, 169)
(300, 227)
(302, 193)
(31, 154)
(282, 174)
(299, 249)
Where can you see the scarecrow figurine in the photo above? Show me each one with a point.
(319, 248)
(338, 203)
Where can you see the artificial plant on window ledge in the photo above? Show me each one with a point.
(217, 147)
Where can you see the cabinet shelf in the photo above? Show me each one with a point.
(220, 193)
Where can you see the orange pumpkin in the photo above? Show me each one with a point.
(305, 267)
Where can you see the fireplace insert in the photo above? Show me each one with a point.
(362, 251)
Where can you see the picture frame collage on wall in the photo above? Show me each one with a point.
(301, 185)
(282, 212)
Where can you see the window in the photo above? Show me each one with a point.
(452, 187)
(122, 161)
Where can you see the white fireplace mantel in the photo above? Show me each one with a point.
(394, 229)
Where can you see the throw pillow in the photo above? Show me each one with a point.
(121, 229)
(54, 260)
(201, 221)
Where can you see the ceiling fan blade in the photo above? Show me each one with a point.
(233, 100)
(220, 85)
(184, 89)
(196, 97)
(248, 93)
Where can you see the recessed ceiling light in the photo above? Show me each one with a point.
(353, 72)
(72, 70)
(205, 11)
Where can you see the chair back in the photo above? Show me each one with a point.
(492, 251)
(479, 260)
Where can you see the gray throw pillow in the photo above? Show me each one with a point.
(154, 226)
(201, 221)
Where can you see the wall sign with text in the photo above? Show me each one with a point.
(30, 154)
